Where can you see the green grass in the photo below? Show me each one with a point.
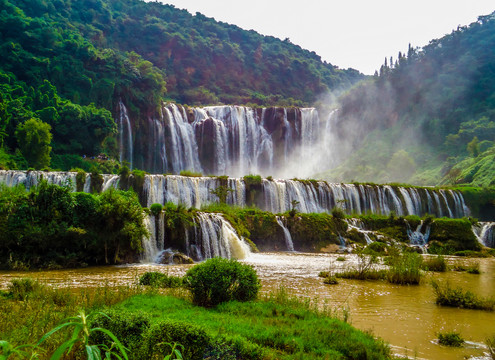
(278, 330)
(190, 173)
(34, 309)
(458, 297)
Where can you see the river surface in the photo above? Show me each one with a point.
(404, 316)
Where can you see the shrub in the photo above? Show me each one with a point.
(437, 263)
(377, 247)
(341, 258)
(252, 180)
(331, 280)
(158, 279)
(470, 269)
(450, 338)
(457, 297)
(157, 339)
(156, 209)
(218, 280)
(128, 327)
(338, 213)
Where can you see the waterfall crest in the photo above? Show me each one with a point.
(276, 196)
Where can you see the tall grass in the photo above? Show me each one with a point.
(33, 309)
(405, 269)
(435, 263)
(458, 297)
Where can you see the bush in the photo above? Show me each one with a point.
(156, 209)
(219, 280)
(377, 247)
(128, 327)
(450, 338)
(436, 263)
(252, 180)
(158, 279)
(157, 340)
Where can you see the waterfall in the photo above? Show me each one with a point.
(417, 237)
(288, 237)
(484, 232)
(125, 135)
(214, 236)
(358, 225)
(277, 196)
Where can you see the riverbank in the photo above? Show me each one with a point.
(404, 316)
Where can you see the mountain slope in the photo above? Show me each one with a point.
(425, 117)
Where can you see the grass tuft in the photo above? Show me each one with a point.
(457, 297)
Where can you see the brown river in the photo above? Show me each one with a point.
(404, 316)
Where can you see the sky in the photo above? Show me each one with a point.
(355, 34)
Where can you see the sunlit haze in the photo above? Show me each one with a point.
(351, 33)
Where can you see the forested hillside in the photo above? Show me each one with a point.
(426, 117)
(69, 63)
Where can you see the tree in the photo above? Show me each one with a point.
(34, 138)
(473, 147)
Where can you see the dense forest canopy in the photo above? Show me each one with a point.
(69, 63)
(426, 117)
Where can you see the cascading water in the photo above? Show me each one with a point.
(485, 233)
(287, 235)
(126, 150)
(214, 236)
(358, 225)
(417, 237)
(276, 196)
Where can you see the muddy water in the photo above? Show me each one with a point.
(404, 316)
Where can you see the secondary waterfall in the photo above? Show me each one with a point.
(276, 196)
(211, 236)
(418, 237)
(485, 233)
(287, 235)
(125, 135)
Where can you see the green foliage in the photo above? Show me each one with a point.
(157, 279)
(157, 340)
(190, 173)
(457, 297)
(34, 138)
(436, 263)
(435, 104)
(219, 280)
(81, 334)
(405, 269)
(128, 327)
(48, 218)
(156, 209)
(222, 191)
(277, 327)
(473, 268)
(450, 338)
(252, 180)
(21, 289)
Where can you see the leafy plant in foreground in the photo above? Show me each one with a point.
(7, 350)
(81, 334)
